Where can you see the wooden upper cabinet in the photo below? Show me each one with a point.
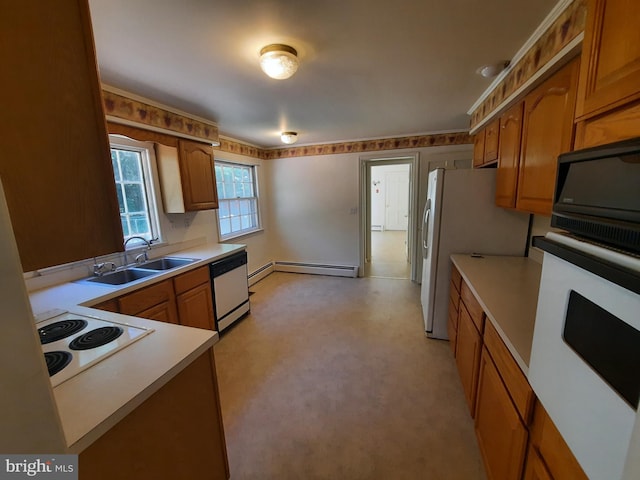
(610, 74)
(491, 139)
(478, 148)
(509, 156)
(55, 163)
(547, 131)
(198, 176)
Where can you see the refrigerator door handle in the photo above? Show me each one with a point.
(425, 225)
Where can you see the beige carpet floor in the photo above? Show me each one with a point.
(333, 378)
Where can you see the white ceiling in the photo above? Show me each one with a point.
(369, 68)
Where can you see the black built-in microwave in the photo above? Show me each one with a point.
(597, 194)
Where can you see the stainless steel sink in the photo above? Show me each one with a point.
(121, 277)
(165, 263)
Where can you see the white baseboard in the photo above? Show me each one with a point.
(317, 269)
(257, 275)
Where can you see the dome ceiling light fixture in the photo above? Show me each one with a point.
(491, 70)
(289, 137)
(279, 61)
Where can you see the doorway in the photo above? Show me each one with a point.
(387, 223)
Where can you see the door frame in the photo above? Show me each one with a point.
(366, 162)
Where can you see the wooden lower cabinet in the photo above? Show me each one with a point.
(502, 436)
(184, 300)
(452, 326)
(195, 307)
(163, 312)
(535, 469)
(176, 433)
(551, 448)
(515, 434)
(468, 348)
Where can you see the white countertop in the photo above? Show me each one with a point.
(507, 289)
(68, 295)
(96, 399)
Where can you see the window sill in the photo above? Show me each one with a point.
(245, 233)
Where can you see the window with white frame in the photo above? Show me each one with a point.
(238, 211)
(131, 162)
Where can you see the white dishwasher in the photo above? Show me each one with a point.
(230, 289)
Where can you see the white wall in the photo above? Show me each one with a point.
(315, 202)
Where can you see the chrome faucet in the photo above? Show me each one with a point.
(144, 255)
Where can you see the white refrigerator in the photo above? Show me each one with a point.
(460, 216)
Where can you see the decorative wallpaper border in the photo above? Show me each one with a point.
(569, 24)
(239, 148)
(143, 113)
(434, 140)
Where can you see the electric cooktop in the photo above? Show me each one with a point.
(74, 342)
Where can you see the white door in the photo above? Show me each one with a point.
(397, 201)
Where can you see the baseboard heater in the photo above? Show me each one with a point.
(257, 275)
(317, 269)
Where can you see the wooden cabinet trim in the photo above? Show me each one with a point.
(456, 278)
(142, 134)
(143, 299)
(517, 385)
(468, 299)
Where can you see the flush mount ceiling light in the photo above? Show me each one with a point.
(289, 137)
(490, 71)
(279, 61)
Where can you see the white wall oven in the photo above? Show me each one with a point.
(585, 359)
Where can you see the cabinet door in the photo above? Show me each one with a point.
(195, 307)
(552, 448)
(509, 156)
(108, 305)
(502, 436)
(55, 163)
(146, 298)
(535, 469)
(452, 327)
(177, 433)
(197, 176)
(491, 139)
(163, 312)
(547, 132)
(610, 73)
(478, 148)
(468, 348)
